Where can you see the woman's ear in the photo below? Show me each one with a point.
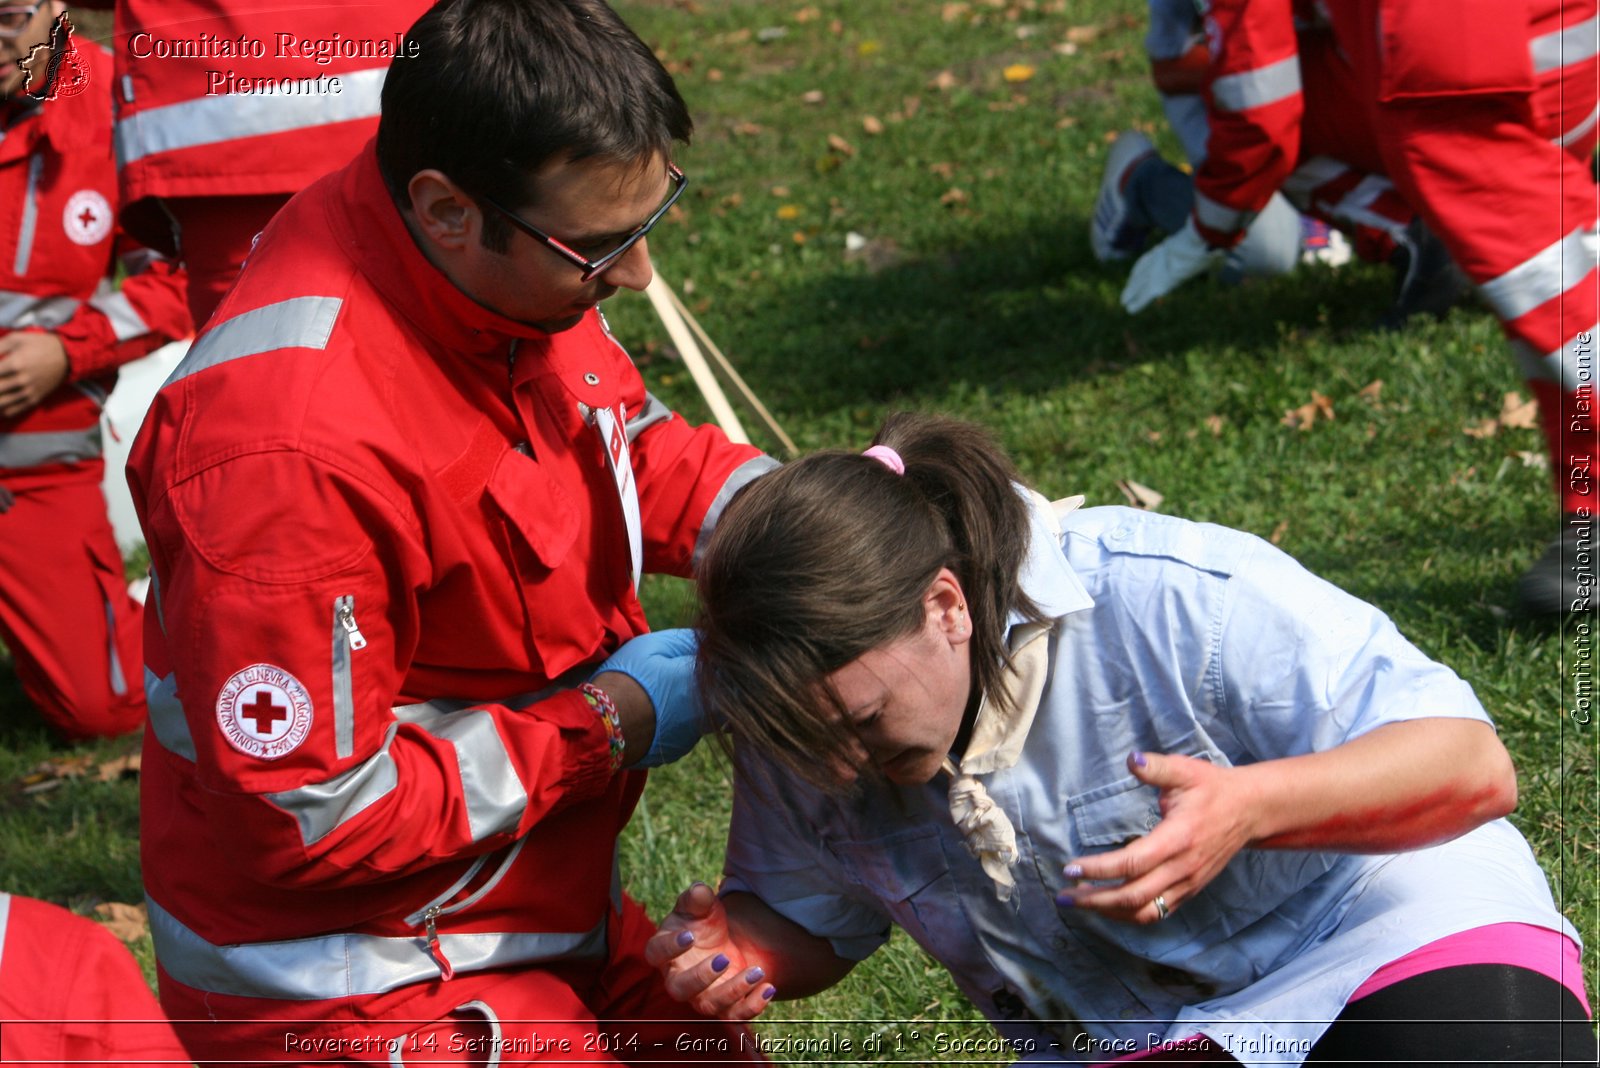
(946, 607)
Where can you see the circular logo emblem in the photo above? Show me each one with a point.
(264, 712)
(87, 218)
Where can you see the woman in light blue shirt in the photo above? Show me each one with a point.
(1138, 783)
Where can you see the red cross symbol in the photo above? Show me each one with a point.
(87, 218)
(265, 709)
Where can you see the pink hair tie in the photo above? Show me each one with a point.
(888, 457)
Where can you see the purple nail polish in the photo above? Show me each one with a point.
(754, 976)
(1137, 758)
(766, 995)
(685, 938)
(719, 962)
(1073, 871)
(1066, 901)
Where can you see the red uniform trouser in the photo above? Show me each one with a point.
(1504, 180)
(65, 614)
(1339, 177)
(214, 236)
(615, 1011)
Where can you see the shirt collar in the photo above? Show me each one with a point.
(1046, 577)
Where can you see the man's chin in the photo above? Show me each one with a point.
(556, 326)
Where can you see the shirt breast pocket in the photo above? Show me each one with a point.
(542, 530)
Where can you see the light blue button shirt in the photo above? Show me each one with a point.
(1172, 637)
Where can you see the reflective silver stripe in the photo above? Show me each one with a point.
(344, 704)
(1216, 216)
(126, 323)
(1256, 88)
(18, 310)
(210, 119)
(30, 216)
(297, 323)
(1309, 176)
(346, 965)
(94, 392)
(1562, 48)
(1580, 131)
(652, 413)
(321, 808)
(1542, 277)
(166, 712)
(742, 476)
(5, 920)
(49, 447)
(1563, 366)
(490, 785)
(119, 681)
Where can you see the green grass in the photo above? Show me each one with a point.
(989, 305)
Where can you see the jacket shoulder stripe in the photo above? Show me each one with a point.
(297, 323)
(208, 120)
(1259, 87)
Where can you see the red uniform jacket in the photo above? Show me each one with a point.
(1434, 51)
(70, 993)
(57, 235)
(382, 517)
(249, 96)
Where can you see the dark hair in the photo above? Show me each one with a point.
(497, 88)
(828, 557)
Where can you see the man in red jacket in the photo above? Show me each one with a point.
(398, 497)
(65, 613)
(1483, 114)
(227, 108)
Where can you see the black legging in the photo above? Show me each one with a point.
(1469, 1014)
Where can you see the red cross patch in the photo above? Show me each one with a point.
(264, 712)
(87, 218)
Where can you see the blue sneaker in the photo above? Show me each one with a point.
(1111, 235)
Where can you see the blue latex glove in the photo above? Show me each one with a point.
(662, 663)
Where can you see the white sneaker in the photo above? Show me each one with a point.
(1110, 235)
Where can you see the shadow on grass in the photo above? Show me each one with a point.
(1024, 311)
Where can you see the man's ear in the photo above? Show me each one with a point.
(443, 212)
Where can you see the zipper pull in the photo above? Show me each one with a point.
(347, 618)
(430, 920)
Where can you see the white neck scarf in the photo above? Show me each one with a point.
(998, 734)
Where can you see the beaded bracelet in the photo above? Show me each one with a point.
(601, 702)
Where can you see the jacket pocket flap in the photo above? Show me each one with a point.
(535, 506)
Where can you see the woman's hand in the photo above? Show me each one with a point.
(1204, 821)
(1400, 786)
(702, 963)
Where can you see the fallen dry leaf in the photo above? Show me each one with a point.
(1064, 48)
(1140, 496)
(748, 129)
(1371, 391)
(872, 125)
(943, 169)
(840, 145)
(1300, 418)
(1082, 34)
(1518, 413)
(780, 191)
(1276, 537)
(117, 767)
(128, 922)
(944, 81)
(1018, 72)
(951, 12)
(954, 195)
(1066, 122)
(1215, 423)
(910, 105)
(807, 14)
(1486, 429)
(813, 96)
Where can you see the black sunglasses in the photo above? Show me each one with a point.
(595, 266)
